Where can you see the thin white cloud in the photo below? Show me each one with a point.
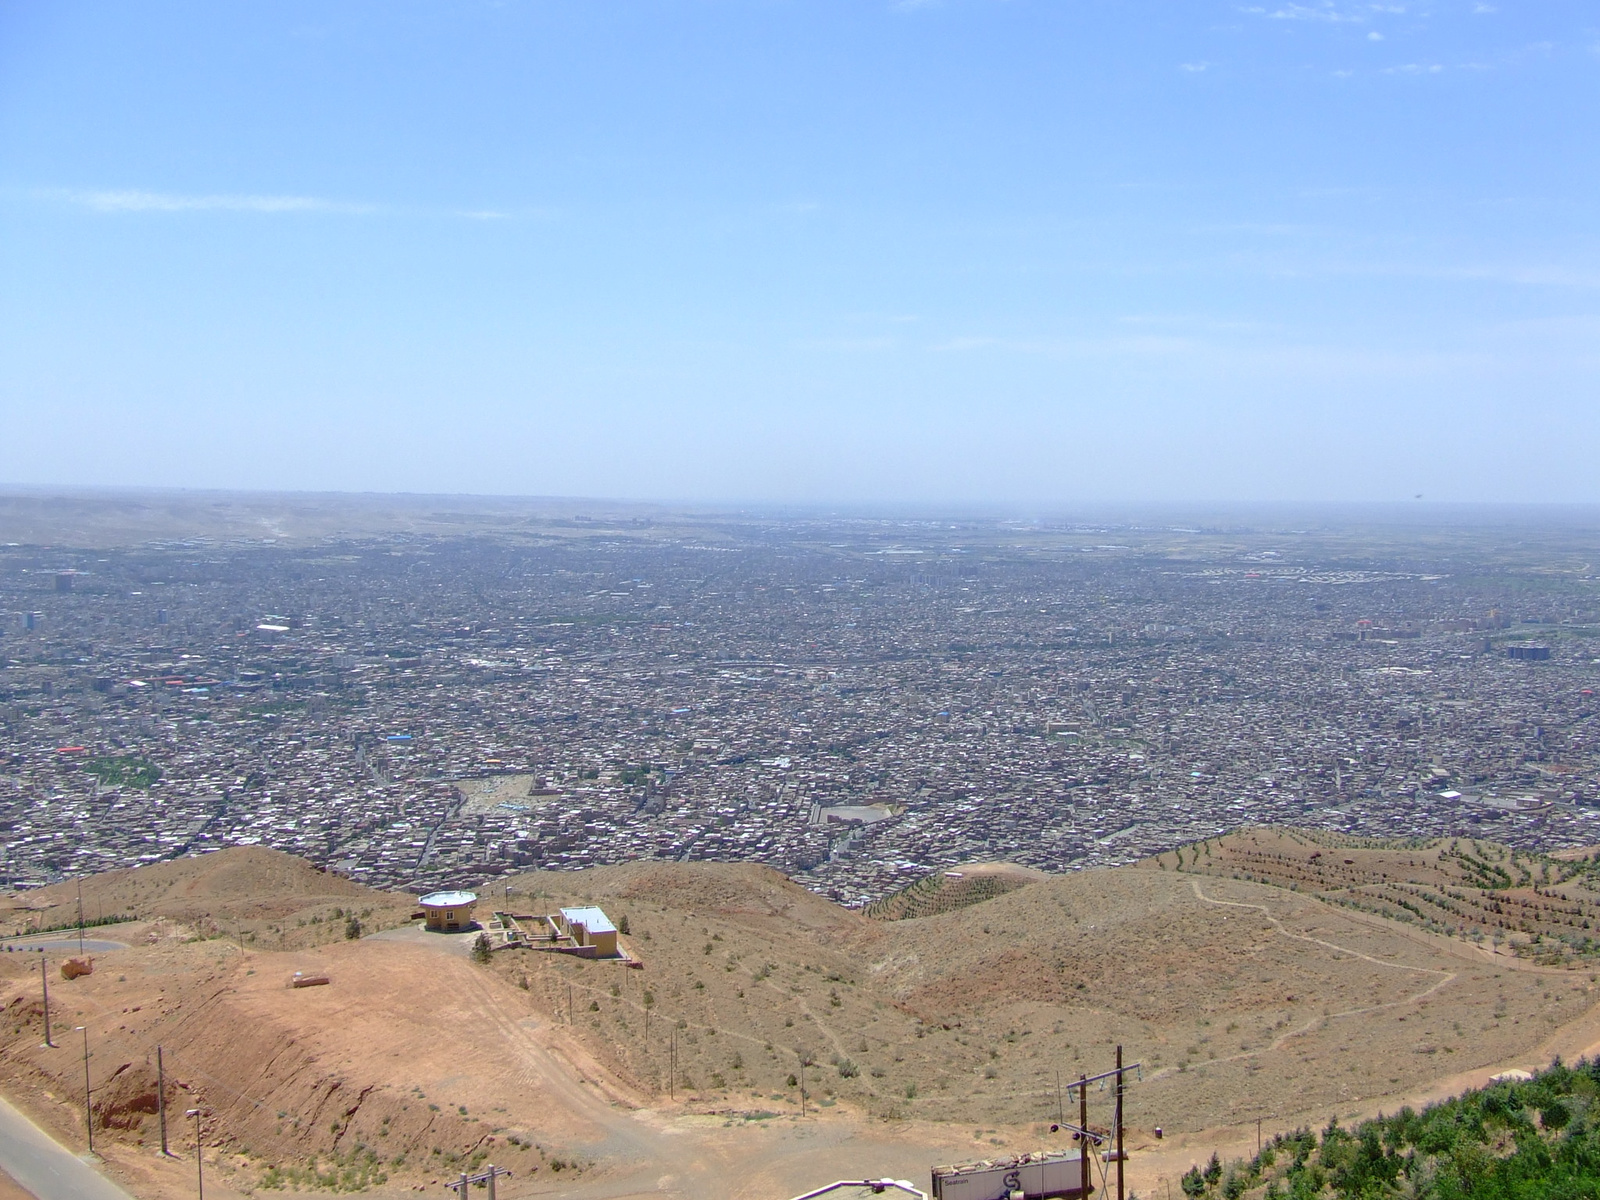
(1325, 11)
(138, 200)
(1194, 67)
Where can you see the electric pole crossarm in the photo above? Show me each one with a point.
(486, 1177)
(1112, 1074)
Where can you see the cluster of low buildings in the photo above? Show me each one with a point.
(855, 703)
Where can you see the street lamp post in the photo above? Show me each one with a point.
(199, 1166)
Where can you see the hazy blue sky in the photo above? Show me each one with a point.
(731, 249)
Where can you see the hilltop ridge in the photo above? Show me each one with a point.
(1239, 998)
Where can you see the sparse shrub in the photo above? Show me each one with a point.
(481, 951)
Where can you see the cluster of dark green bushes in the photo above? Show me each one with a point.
(355, 1171)
(1534, 1140)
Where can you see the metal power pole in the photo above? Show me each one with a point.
(672, 1065)
(802, 1059)
(44, 982)
(1119, 1124)
(161, 1101)
(1083, 1138)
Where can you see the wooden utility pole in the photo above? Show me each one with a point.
(1119, 1124)
(672, 1065)
(161, 1101)
(1083, 1138)
(802, 1059)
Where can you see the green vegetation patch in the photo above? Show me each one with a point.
(355, 1171)
(1531, 1140)
(123, 770)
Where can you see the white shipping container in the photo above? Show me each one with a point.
(1036, 1176)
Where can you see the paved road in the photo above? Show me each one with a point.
(59, 944)
(45, 1167)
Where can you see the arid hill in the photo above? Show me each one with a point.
(946, 891)
(263, 896)
(919, 1039)
(1541, 907)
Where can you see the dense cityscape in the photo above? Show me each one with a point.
(855, 702)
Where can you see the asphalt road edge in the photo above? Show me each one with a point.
(44, 1166)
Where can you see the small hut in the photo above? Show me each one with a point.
(448, 912)
(591, 929)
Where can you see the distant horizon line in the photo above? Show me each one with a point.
(999, 509)
(107, 489)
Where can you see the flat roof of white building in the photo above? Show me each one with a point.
(448, 899)
(591, 919)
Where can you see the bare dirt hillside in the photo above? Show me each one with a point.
(250, 893)
(918, 1040)
(1238, 998)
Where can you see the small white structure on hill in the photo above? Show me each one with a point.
(590, 927)
(448, 912)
